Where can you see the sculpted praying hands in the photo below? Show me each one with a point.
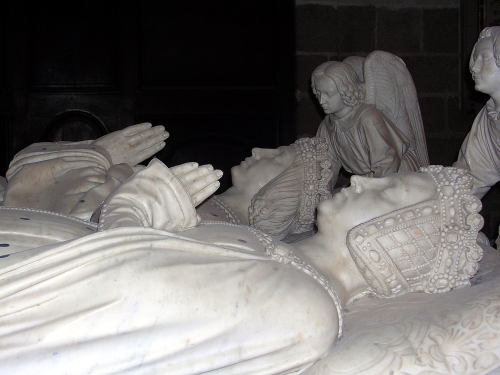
(200, 182)
(160, 197)
(134, 143)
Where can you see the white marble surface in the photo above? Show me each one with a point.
(216, 298)
(455, 333)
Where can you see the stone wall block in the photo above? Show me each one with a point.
(433, 111)
(316, 28)
(304, 67)
(441, 30)
(308, 116)
(434, 74)
(398, 30)
(356, 29)
(457, 123)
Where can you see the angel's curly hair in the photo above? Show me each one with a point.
(350, 87)
(492, 33)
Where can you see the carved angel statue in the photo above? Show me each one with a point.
(373, 121)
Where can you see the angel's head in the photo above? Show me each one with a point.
(485, 61)
(336, 86)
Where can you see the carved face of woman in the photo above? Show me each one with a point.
(257, 170)
(369, 197)
(327, 94)
(484, 69)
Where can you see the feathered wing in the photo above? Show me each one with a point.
(357, 63)
(390, 88)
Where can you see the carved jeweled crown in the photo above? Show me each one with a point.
(427, 247)
(313, 152)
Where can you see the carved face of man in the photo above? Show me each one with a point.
(485, 72)
(328, 95)
(368, 198)
(257, 170)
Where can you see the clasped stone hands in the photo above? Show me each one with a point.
(133, 144)
(160, 197)
(200, 182)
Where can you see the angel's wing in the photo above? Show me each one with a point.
(357, 63)
(390, 88)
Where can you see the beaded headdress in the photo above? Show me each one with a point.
(427, 247)
(272, 213)
(313, 152)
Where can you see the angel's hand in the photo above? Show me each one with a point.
(134, 143)
(200, 182)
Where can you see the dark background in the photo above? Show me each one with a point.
(224, 76)
(218, 75)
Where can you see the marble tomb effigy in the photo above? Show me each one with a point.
(52, 305)
(165, 293)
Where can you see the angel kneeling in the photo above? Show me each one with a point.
(373, 123)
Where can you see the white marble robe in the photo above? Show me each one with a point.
(137, 300)
(71, 178)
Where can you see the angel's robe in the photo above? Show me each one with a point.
(366, 142)
(480, 151)
(129, 299)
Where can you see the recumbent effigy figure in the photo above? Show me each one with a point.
(373, 123)
(224, 298)
(275, 190)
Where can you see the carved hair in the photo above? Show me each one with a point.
(492, 33)
(428, 247)
(346, 80)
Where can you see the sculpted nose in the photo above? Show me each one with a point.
(256, 153)
(475, 68)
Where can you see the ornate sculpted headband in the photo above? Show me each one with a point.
(313, 152)
(428, 247)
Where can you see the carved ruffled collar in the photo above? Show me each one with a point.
(493, 114)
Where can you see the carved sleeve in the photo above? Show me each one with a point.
(57, 177)
(385, 144)
(154, 197)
